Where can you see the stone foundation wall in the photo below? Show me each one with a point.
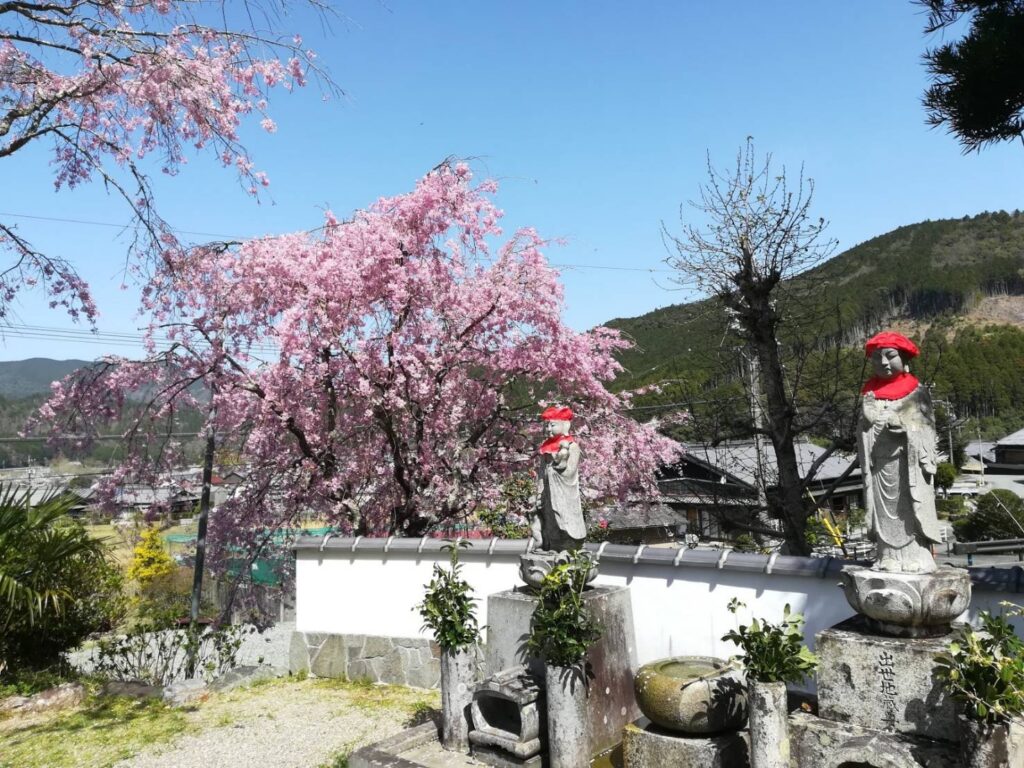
(413, 661)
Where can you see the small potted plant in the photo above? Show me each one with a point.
(772, 655)
(448, 611)
(561, 633)
(984, 672)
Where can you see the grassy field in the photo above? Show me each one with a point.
(105, 730)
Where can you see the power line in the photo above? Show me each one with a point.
(222, 236)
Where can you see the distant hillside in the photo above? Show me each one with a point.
(954, 286)
(22, 378)
(914, 274)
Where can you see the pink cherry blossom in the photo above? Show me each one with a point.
(386, 374)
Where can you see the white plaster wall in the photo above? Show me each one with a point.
(675, 610)
(371, 593)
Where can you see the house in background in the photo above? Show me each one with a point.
(1007, 454)
(713, 485)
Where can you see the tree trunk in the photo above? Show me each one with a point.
(788, 502)
(204, 514)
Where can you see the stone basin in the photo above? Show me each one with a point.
(692, 694)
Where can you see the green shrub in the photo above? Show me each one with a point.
(447, 608)
(562, 629)
(57, 584)
(999, 515)
(945, 476)
(984, 671)
(159, 658)
(773, 653)
(745, 543)
(950, 509)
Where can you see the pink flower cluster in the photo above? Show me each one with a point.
(385, 374)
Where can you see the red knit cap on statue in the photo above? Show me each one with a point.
(891, 340)
(557, 413)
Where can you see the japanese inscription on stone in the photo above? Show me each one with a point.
(888, 688)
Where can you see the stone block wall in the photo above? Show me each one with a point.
(413, 661)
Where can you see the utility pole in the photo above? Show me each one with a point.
(757, 416)
(204, 514)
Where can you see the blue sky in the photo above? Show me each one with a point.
(595, 117)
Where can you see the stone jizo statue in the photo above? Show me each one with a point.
(557, 524)
(898, 458)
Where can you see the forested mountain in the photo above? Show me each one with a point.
(936, 281)
(22, 378)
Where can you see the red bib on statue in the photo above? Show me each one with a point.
(890, 389)
(552, 444)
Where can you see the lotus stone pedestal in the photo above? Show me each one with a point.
(908, 604)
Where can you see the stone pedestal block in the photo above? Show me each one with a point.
(818, 743)
(883, 683)
(645, 745)
(610, 704)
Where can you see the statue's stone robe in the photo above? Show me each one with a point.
(898, 461)
(559, 510)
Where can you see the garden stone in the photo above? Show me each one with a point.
(819, 743)
(243, 676)
(508, 719)
(907, 604)
(58, 697)
(132, 688)
(612, 658)
(182, 692)
(696, 695)
(987, 745)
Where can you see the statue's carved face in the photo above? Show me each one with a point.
(554, 427)
(887, 362)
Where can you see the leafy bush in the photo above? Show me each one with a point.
(150, 561)
(745, 543)
(158, 658)
(447, 608)
(984, 671)
(999, 515)
(598, 531)
(57, 585)
(950, 509)
(773, 653)
(945, 476)
(562, 629)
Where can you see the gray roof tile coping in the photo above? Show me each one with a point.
(986, 579)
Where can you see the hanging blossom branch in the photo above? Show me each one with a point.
(106, 83)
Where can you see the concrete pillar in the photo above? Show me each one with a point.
(769, 725)
(568, 732)
(457, 682)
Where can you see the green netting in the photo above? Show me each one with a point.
(279, 537)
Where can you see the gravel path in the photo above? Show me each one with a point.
(286, 725)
